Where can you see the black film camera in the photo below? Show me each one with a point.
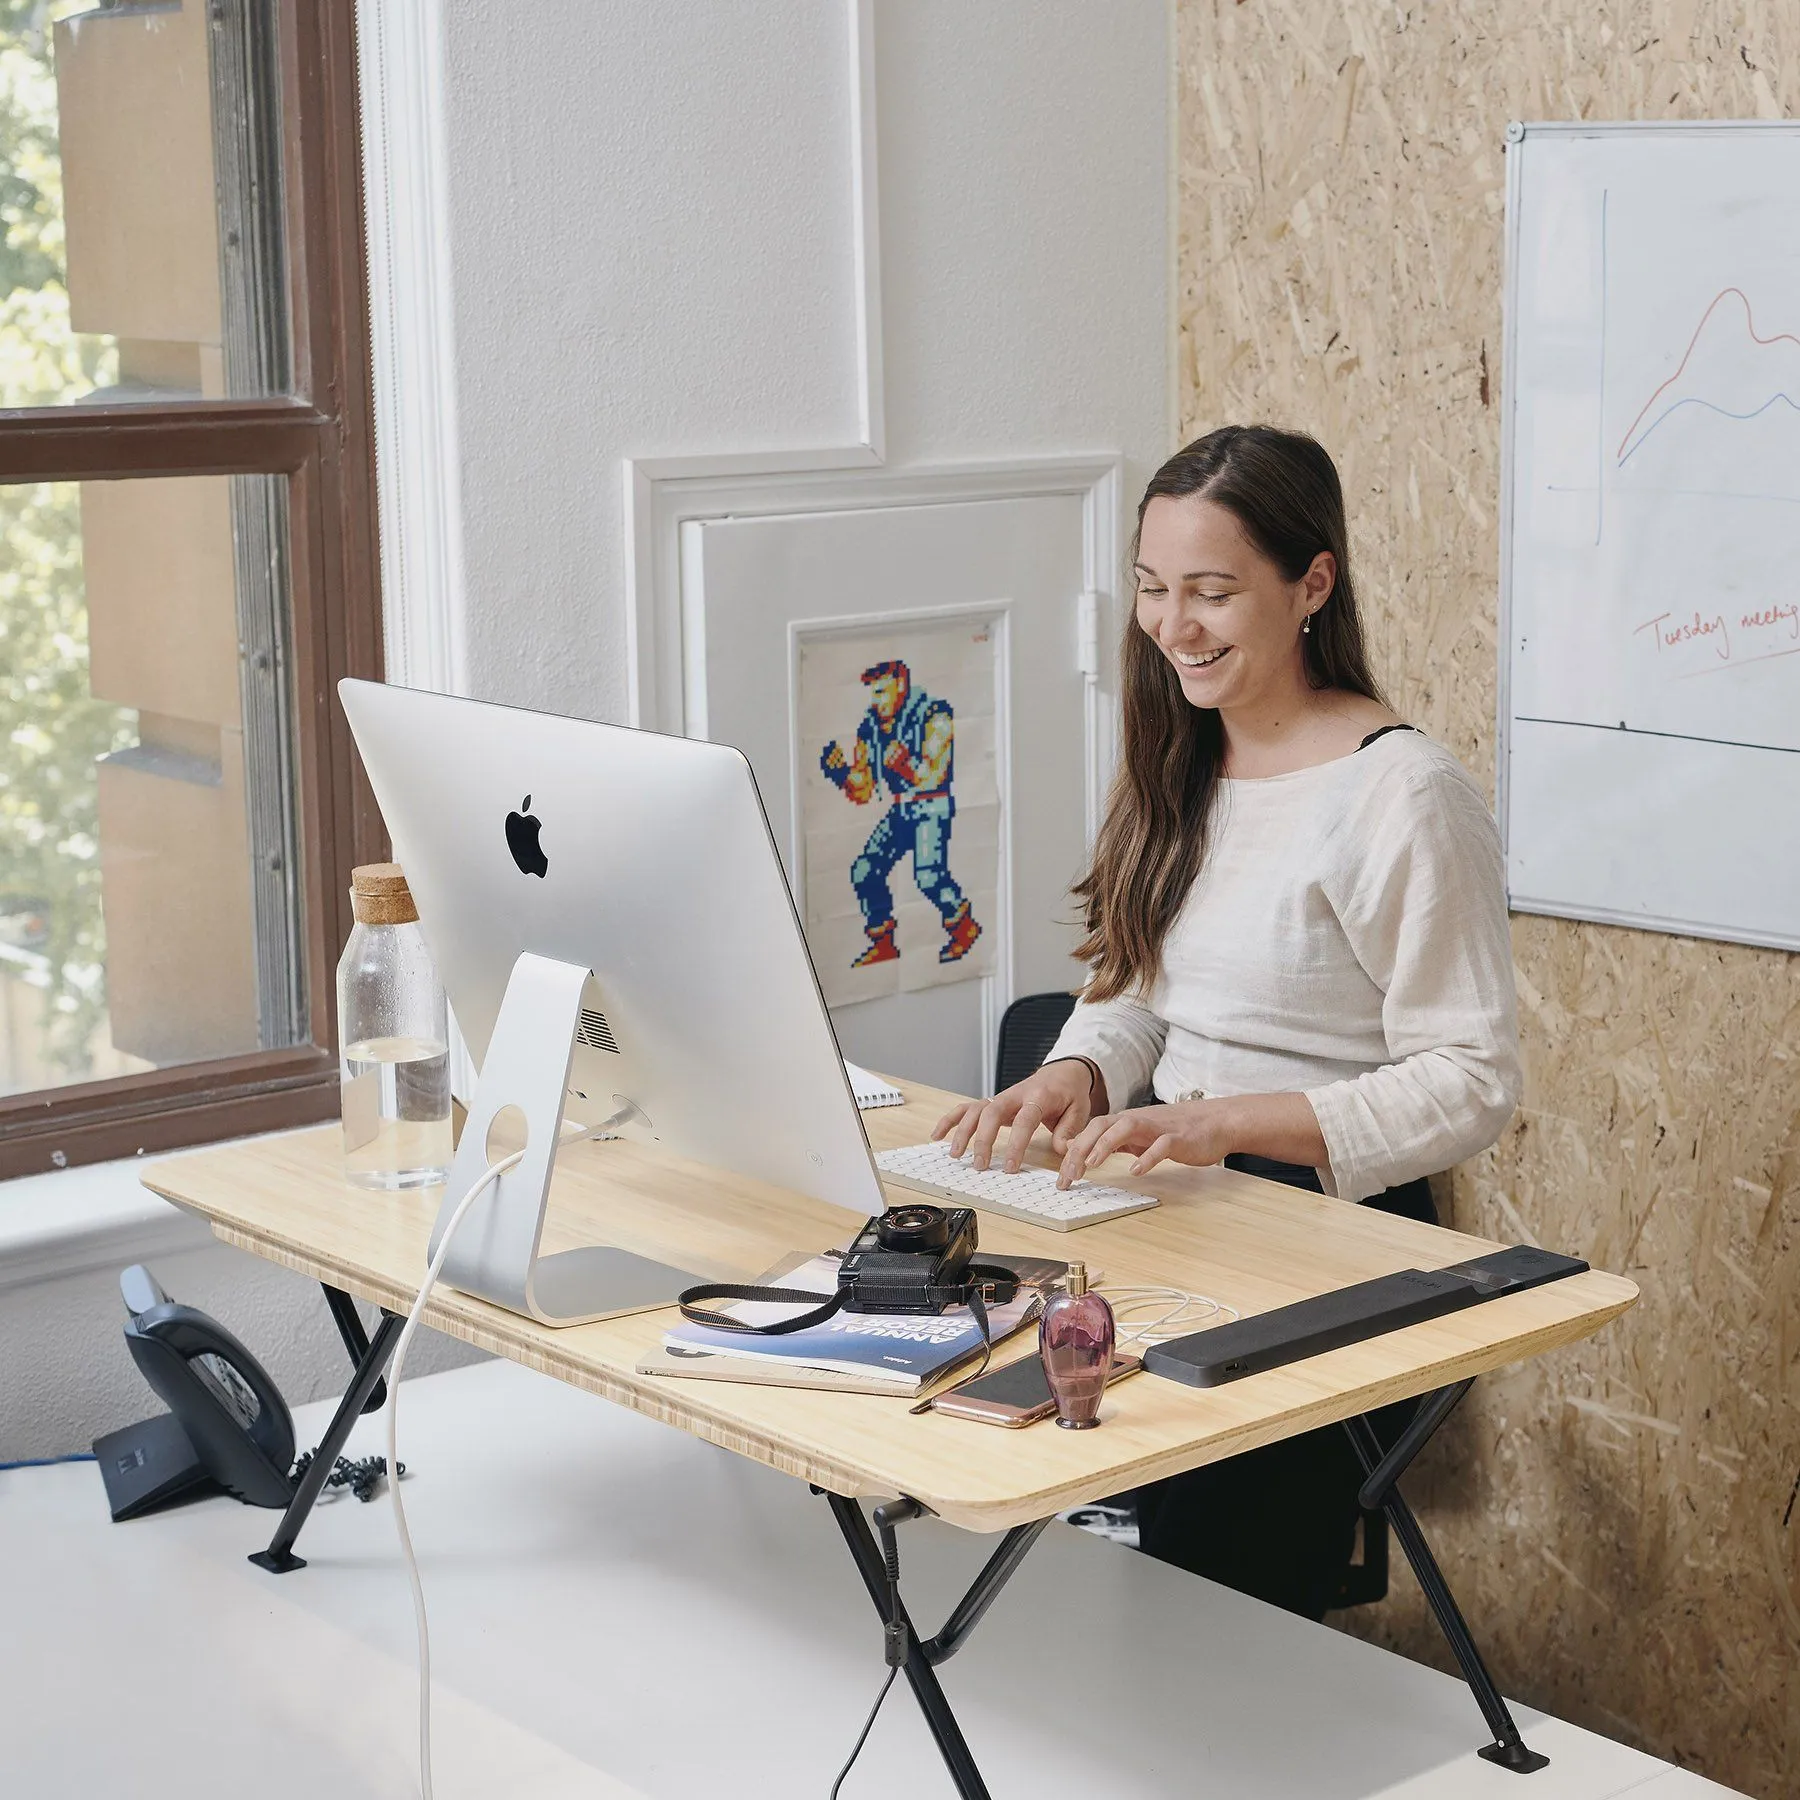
(913, 1259)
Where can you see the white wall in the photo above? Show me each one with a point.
(649, 218)
(650, 227)
(1026, 249)
(644, 220)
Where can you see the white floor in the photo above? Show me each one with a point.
(621, 1613)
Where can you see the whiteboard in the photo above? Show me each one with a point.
(1650, 528)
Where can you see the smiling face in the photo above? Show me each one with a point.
(1221, 612)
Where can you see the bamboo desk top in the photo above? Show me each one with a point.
(1250, 1243)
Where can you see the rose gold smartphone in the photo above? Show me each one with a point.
(1017, 1395)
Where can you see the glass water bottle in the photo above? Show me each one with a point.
(394, 1029)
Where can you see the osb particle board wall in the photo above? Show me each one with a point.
(1618, 1520)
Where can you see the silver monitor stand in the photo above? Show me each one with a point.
(496, 1251)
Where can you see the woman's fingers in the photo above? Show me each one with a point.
(1078, 1155)
(967, 1136)
(1073, 1118)
(968, 1122)
(1024, 1128)
(1117, 1136)
(1110, 1133)
(973, 1129)
(981, 1143)
(1158, 1152)
(948, 1122)
(956, 1124)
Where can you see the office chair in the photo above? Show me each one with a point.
(1028, 1030)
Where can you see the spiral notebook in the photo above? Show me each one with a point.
(871, 1090)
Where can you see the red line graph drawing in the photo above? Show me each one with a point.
(1780, 337)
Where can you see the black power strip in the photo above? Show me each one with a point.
(1348, 1315)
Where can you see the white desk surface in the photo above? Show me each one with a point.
(622, 1612)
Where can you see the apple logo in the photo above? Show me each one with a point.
(522, 840)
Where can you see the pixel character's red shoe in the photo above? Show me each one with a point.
(882, 947)
(961, 931)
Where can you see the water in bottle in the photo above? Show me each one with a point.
(393, 1026)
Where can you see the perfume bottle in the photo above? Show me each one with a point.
(1075, 1341)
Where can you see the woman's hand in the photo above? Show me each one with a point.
(1189, 1131)
(1060, 1095)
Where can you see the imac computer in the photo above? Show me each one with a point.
(610, 919)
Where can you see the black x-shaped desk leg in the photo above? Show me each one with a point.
(880, 1573)
(1383, 1470)
(366, 1393)
(1381, 1488)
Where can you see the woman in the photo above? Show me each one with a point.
(1297, 937)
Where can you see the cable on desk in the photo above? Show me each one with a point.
(1177, 1311)
(492, 1174)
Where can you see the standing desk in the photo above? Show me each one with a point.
(1250, 1243)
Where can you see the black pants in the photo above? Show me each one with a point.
(1277, 1523)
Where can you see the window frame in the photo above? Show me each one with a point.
(321, 437)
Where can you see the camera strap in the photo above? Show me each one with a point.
(692, 1309)
(982, 1283)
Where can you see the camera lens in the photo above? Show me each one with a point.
(913, 1228)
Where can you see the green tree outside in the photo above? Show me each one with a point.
(52, 732)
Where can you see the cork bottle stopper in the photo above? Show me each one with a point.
(379, 895)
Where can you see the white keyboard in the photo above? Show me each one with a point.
(1031, 1195)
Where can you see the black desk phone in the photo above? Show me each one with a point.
(227, 1425)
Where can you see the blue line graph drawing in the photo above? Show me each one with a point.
(1711, 406)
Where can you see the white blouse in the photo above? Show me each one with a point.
(1346, 938)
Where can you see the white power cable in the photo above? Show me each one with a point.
(493, 1173)
(1180, 1312)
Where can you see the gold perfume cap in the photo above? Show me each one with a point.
(1078, 1278)
(379, 895)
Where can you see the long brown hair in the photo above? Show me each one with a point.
(1283, 489)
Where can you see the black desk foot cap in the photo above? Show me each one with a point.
(1509, 1756)
(285, 1562)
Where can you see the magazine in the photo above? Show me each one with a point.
(893, 1353)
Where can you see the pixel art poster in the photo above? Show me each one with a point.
(899, 802)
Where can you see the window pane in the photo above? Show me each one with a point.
(140, 192)
(149, 910)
